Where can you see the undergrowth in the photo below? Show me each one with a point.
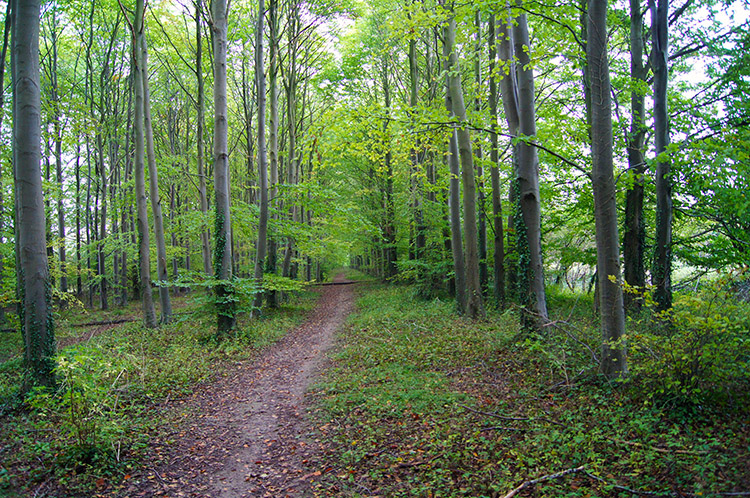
(419, 402)
(87, 436)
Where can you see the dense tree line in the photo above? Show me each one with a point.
(392, 135)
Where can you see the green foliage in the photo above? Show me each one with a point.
(111, 392)
(422, 403)
(701, 357)
(87, 403)
(428, 276)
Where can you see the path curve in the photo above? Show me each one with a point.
(247, 433)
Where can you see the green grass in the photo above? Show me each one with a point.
(419, 402)
(112, 394)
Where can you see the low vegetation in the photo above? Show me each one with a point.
(115, 386)
(416, 401)
(420, 402)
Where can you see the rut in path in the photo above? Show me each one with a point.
(248, 433)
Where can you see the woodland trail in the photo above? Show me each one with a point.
(245, 434)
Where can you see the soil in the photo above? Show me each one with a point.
(246, 434)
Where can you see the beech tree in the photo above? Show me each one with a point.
(31, 246)
(605, 203)
(661, 272)
(223, 228)
(474, 306)
(517, 89)
(153, 179)
(260, 78)
(144, 250)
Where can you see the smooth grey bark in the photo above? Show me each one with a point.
(389, 223)
(529, 230)
(153, 181)
(36, 309)
(223, 228)
(57, 138)
(474, 304)
(200, 139)
(291, 82)
(420, 239)
(3, 56)
(144, 250)
(273, 133)
(509, 92)
(455, 245)
(481, 198)
(454, 206)
(79, 273)
(260, 78)
(497, 207)
(612, 310)
(661, 272)
(126, 214)
(634, 236)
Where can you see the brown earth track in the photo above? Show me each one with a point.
(245, 434)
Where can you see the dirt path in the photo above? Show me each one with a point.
(245, 434)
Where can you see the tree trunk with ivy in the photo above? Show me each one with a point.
(34, 278)
(223, 227)
(528, 219)
(633, 239)
(661, 273)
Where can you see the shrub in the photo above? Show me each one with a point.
(697, 352)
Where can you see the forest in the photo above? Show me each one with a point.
(494, 248)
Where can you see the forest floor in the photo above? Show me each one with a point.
(398, 398)
(245, 434)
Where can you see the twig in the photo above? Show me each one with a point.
(628, 490)
(164, 484)
(104, 322)
(495, 415)
(548, 477)
(501, 428)
(656, 448)
(555, 325)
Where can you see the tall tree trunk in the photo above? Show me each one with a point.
(528, 225)
(497, 208)
(420, 239)
(3, 55)
(153, 180)
(455, 246)
(635, 233)
(389, 223)
(293, 29)
(474, 304)
(260, 78)
(223, 230)
(661, 273)
(36, 307)
(605, 203)
(126, 210)
(57, 130)
(79, 272)
(200, 138)
(144, 252)
(481, 220)
(509, 92)
(101, 269)
(273, 132)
